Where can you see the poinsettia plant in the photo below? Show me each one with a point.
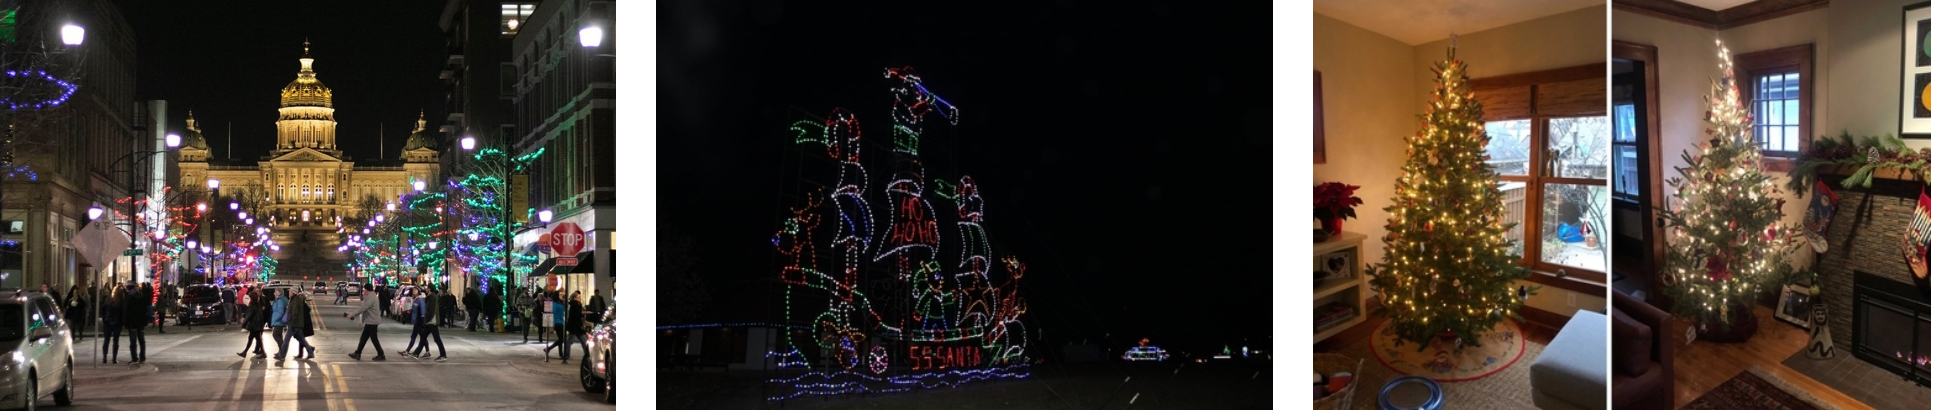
(1335, 200)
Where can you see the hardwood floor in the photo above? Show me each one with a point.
(1701, 366)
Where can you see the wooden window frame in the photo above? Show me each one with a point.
(1749, 66)
(1575, 278)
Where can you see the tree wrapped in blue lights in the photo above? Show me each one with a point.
(888, 292)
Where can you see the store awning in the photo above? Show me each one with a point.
(584, 264)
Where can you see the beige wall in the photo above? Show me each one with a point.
(1368, 110)
(1865, 53)
(1561, 40)
(1366, 84)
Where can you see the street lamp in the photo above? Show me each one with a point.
(173, 140)
(71, 34)
(419, 186)
(214, 183)
(590, 36)
(94, 212)
(233, 205)
(391, 207)
(201, 207)
(191, 244)
(544, 216)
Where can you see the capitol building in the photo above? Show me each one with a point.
(306, 184)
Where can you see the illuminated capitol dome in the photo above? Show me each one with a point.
(302, 187)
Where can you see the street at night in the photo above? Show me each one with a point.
(237, 166)
(197, 369)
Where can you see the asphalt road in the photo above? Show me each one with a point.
(197, 369)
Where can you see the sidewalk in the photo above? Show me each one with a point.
(98, 373)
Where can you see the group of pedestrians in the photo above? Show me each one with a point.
(127, 309)
(427, 311)
(285, 315)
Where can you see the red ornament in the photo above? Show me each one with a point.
(1716, 270)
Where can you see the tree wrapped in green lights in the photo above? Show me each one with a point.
(1725, 242)
(421, 224)
(481, 243)
(1447, 266)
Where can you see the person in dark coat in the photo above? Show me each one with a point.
(383, 296)
(253, 323)
(571, 330)
(135, 318)
(475, 306)
(75, 309)
(228, 306)
(595, 309)
(448, 310)
(490, 305)
(111, 318)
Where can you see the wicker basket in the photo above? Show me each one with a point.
(1330, 363)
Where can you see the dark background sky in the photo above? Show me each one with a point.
(1122, 147)
(228, 61)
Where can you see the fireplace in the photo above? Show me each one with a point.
(1890, 329)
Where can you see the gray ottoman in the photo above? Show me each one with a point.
(1571, 373)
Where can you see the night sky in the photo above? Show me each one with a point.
(1122, 148)
(228, 61)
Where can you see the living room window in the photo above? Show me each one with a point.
(1776, 85)
(1550, 142)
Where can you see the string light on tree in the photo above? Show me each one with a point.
(1447, 269)
(1725, 242)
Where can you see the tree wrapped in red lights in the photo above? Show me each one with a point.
(895, 291)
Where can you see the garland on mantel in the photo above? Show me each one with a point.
(1868, 154)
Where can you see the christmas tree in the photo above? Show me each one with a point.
(1725, 243)
(1447, 267)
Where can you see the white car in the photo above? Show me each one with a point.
(40, 352)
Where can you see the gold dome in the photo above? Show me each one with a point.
(306, 90)
(194, 138)
(420, 138)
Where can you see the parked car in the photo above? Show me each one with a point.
(320, 288)
(598, 371)
(353, 290)
(1145, 353)
(42, 361)
(201, 304)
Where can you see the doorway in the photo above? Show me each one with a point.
(1637, 241)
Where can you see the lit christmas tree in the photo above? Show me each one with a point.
(1725, 240)
(1447, 267)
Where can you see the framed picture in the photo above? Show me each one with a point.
(1337, 265)
(1916, 58)
(1321, 150)
(1795, 305)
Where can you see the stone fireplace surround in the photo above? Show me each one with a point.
(1864, 236)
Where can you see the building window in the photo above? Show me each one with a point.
(1776, 85)
(1624, 147)
(1549, 132)
(515, 16)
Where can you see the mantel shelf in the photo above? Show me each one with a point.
(1890, 173)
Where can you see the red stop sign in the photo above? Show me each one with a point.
(566, 239)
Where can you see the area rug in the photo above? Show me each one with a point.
(1444, 361)
(1507, 389)
(1755, 389)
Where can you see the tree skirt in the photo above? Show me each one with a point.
(1754, 390)
(1443, 362)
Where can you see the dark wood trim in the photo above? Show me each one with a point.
(1322, 152)
(1670, 11)
(1534, 194)
(1538, 77)
(1653, 195)
(1799, 57)
(1544, 318)
(1570, 283)
(1574, 181)
(1740, 15)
